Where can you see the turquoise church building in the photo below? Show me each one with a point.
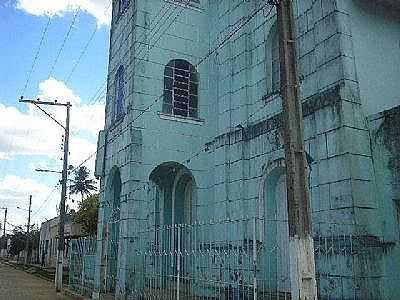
(191, 161)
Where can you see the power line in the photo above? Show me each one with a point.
(156, 17)
(251, 16)
(52, 69)
(46, 200)
(199, 152)
(15, 226)
(81, 55)
(74, 18)
(229, 36)
(248, 18)
(85, 48)
(103, 87)
(146, 34)
(36, 57)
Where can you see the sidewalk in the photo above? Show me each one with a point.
(19, 285)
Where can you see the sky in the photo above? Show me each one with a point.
(52, 50)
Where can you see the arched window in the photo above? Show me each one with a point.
(273, 64)
(119, 94)
(180, 89)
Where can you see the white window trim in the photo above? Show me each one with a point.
(177, 118)
(189, 5)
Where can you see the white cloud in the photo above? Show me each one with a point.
(15, 191)
(32, 133)
(81, 149)
(100, 9)
(84, 117)
(17, 188)
(25, 133)
(52, 89)
(5, 156)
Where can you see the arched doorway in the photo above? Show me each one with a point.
(172, 196)
(275, 281)
(113, 215)
(172, 191)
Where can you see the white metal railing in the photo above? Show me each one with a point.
(245, 259)
(211, 260)
(238, 259)
(82, 265)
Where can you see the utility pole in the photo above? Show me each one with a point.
(61, 242)
(27, 231)
(4, 228)
(301, 244)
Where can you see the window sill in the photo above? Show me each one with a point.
(170, 117)
(194, 6)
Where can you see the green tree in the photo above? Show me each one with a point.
(81, 184)
(87, 213)
(34, 238)
(18, 240)
(3, 242)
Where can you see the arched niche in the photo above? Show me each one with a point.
(172, 194)
(275, 232)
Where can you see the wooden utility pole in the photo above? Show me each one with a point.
(301, 245)
(27, 232)
(61, 242)
(4, 228)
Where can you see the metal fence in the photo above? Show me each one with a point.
(347, 264)
(82, 265)
(247, 259)
(239, 259)
(200, 260)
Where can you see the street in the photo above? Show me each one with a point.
(19, 285)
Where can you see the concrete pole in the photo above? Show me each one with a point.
(4, 228)
(61, 243)
(27, 232)
(301, 245)
(60, 251)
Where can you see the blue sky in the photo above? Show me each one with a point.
(29, 139)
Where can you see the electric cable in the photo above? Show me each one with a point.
(128, 35)
(36, 57)
(85, 48)
(74, 19)
(83, 52)
(45, 201)
(93, 154)
(161, 96)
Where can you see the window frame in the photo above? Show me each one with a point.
(119, 104)
(181, 90)
(272, 64)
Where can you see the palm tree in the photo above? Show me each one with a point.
(81, 184)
